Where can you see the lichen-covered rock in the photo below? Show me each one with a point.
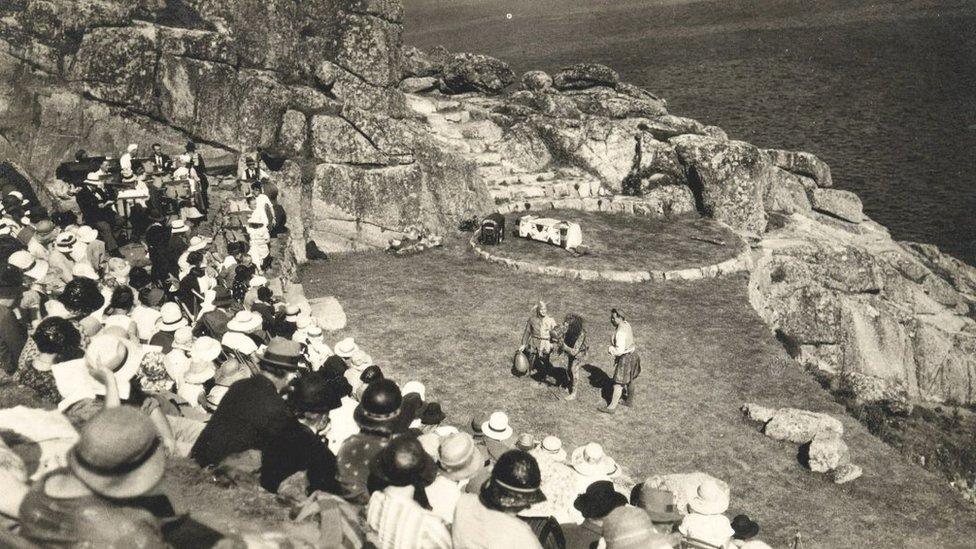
(612, 104)
(418, 84)
(827, 451)
(730, 177)
(786, 193)
(291, 136)
(842, 204)
(801, 426)
(801, 163)
(468, 72)
(846, 473)
(536, 81)
(585, 75)
(370, 47)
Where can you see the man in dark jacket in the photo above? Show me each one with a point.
(13, 335)
(253, 416)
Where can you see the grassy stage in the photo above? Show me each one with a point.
(453, 322)
(626, 242)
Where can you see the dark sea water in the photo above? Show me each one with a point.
(885, 92)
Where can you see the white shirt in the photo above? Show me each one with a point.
(342, 425)
(443, 495)
(125, 162)
(712, 529)
(623, 340)
(401, 523)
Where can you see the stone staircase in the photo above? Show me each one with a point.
(463, 125)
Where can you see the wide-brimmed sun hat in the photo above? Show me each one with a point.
(178, 226)
(628, 527)
(31, 266)
(86, 234)
(44, 231)
(244, 322)
(514, 482)
(292, 310)
(65, 241)
(239, 342)
(710, 499)
(84, 270)
(205, 349)
(281, 353)
(380, 406)
(360, 360)
(119, 355)
(598, 500)
(460, 457)
(658, 504)
(591, 461)
(497, 427)
(199, 372)
(119, 454)
(198, 243)
(170, 318)
(257, 281)
(231, 370)
(404, 462)
(346, 348)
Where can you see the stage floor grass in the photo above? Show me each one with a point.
(625, 242)
(453, 322)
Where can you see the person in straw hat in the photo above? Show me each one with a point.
(170, 319)
(459, 459)
(705, 520)
(249, 324)
(31, 267)
(591, 463)
(378, 417)
(45, 231)
(499, 435)
(659, 504)
(489, 519)
(628, 527)
(97, 207)
(193, 386)
(253, 415)
(99, 499)
(399, 473)
(598, 501)
(227, 374)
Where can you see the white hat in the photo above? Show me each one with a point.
(31, 266)
(314, 332)
(65, 241)
(244, 322)
(346, 348)
(710, 499)
(257, 281)
(183, 338)
(239, 342)
(199, 372)
(361, 360)
(198, 243)
(414, 387)
(86, 234)
(132, 148)
(84, 270)
(192, 213)
(552, 448)
(123, 357)
(304, 322)
(591, 460)
(170, 318)
(497, 427)
(56, 308)
(291, 312)
(178, 226)
(205, 349)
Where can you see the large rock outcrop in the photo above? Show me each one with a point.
(312, 82)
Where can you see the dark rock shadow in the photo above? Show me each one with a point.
(600, 380)
(803, 455)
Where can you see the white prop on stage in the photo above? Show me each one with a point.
(554, 231)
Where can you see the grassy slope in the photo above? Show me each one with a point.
(626, 242)
(453, 322)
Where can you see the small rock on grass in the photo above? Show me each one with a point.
(846, 473)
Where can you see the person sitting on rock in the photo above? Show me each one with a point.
(536, 338)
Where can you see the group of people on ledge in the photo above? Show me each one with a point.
(150, 340)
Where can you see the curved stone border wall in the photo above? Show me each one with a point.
(741, 263)
(623, 204)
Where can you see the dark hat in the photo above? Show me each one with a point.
(477, 421)
(119, 454)
(744, 527)
(316, 393)
(281, 353)
(222, 297)
(514, 482)
(431, 413)
(658, 503)
(380, 407)
(371, 374)
(598, 500)
(404, 462)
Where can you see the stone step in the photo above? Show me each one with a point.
(488, 159)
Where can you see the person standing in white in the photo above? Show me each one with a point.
(626, 362)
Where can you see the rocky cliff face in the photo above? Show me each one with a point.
(374, 137)
(313, 82)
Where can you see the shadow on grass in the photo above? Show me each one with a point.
(599, 380)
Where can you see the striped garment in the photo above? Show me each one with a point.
(400, 523)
